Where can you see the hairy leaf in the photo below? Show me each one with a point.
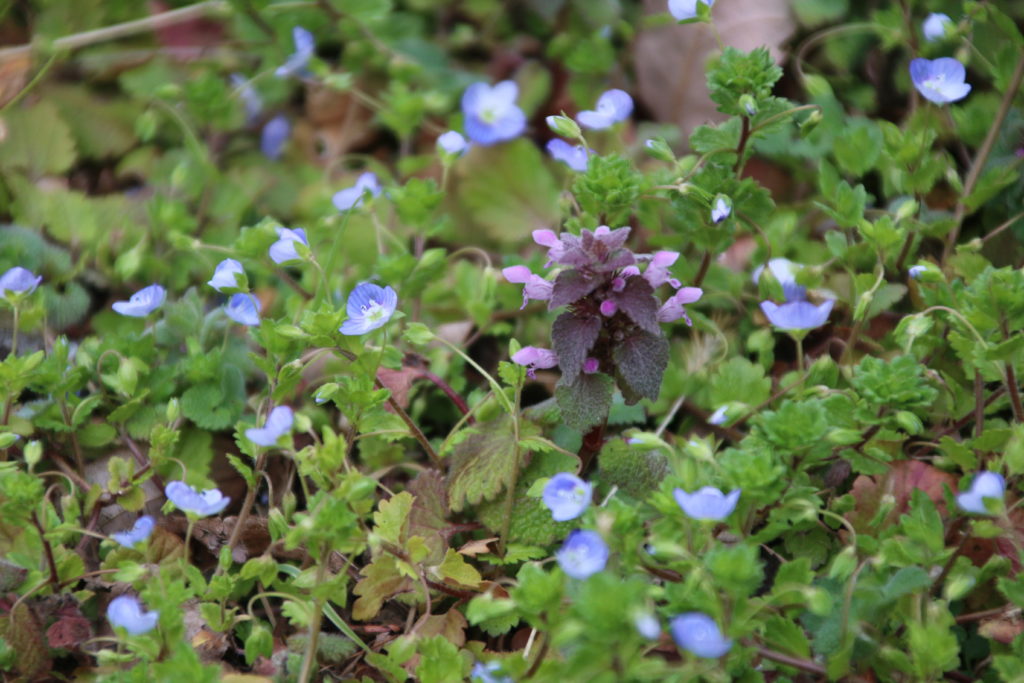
(637, 301)
(586, 401)
(483, 464)
(570, 286)
(572, 337)
(641, 359)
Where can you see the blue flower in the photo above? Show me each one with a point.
(278, 423)
(251, 99)
(985, 485)
(707, 503)
(915, 271)
(685, 9)
(491, 113)
(452, 143)
(224, 276)
(647, 625)
(488, 673)
(567, 496)
(718, 417)
(305, 46)
(141, 530)
(18, 280)
(698, 633)
(720, 209)
(612, 107)
(797, 315)
(142, 302)
(202, 503)
(351, 197)
(939, 80)
(126, 612)
(575, 158)
(584, 553)
(785, 272)
(368, 308)
(275, 133)
(244, 309)
(283, 250)
(935, 26)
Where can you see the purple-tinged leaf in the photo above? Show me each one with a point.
(570, 286)
(573, 336)
(641, 359)
(638, 302)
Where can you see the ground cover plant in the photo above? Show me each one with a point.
(553, 340)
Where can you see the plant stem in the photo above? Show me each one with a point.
(50, 562)
(128, 28)
(803, 664)
(980, 160)
(14, 335)
(1014, 391)
(705, 263)
(799, 354)
(413, 428)
(243, 514)
(314, 625)
(510, 497)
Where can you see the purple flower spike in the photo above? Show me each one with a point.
(797, 315)
(18, 280)
(985, 485)
(283, 250)
(188, 500)
(575, 158)
(939, 80)
(126, 612)
(935, 26)
(612, 107)
(583, 554)
(244, 309)
(673, 310)
(305, 46)
(224, 275)
(534, 359)
(453, 143)
(351, 197)
(491, 113)
(685, 9)
(567, 496)
(698, 633)
(275, 133)
(534, 286)
(707, 503)
(278, 423)
(139, 532)
(369, 307)
(142, 302)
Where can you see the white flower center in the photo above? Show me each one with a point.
(373, 312)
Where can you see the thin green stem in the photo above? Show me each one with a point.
(309, 660)
(510, 497)
(31, 84)
(14, 334)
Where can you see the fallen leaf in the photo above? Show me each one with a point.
(899, 482)
(477, 547)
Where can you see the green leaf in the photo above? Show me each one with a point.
(391, 516)
(441, 661)
(740, 380)
(483, 464)
(586, 402)
(455, 568)
(37, 141)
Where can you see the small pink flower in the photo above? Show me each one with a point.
(673, 310)
(534, 286)
(535, 358)
(591, 365)
(657, 272)
(608, 308)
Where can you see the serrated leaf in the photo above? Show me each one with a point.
(455, 568)
(483, 463)
(427, 518)
(381, 580)
(572, 337)
(637, 301)
(740, 380)
(391, 516)
(585, 402)
(37, 141)
(641, 360)
(570, 286)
